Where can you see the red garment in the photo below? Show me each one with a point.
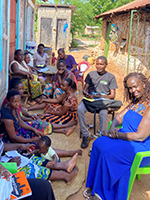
(5, 101)
(53, 59)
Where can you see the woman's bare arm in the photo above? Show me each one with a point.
(143, 130)
(16, 70)
(9, 127)
(118, 119)
(58, 100)
(73, 67)
(63, 111)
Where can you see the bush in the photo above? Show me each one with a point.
(74, 44)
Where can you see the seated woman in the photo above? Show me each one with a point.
(19, 68)
(15, 83)
(113, 153)
(15, 129)
(62, 112)
(40, 58)
(66, 113)
(69, 60)
(27, 60)
(40, 77)
(46, 127)
(55, 88)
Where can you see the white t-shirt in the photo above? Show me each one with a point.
(49, 154)
(40, 60)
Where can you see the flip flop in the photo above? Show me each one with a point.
(87, 193)
(95, 197)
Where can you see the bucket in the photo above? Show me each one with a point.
(31, 45)
(90, 60)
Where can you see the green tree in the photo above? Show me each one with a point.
(87, 10)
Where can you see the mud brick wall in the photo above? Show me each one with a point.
(55, 14)
(140, 63)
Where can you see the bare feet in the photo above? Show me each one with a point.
(70, 130)
(79, 151)
(31, 103)
(72, 175)
(71, 163)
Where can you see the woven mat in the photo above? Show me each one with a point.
(61, 189)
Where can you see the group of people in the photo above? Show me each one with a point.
(112, 153)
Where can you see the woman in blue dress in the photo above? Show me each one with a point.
(112, 155)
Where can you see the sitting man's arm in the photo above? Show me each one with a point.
(91, 96)
(86, 92)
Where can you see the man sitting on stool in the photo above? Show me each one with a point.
(98, 84)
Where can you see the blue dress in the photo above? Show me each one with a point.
(111, 160)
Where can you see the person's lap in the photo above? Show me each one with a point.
(41, 189)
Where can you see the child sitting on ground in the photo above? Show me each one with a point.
(46, 152)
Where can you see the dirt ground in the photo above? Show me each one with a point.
(141, 189)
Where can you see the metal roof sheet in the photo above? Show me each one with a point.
(129, 6)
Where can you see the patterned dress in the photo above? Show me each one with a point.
(36, 168)
(35, 86)
(6, 113)
(71, 103)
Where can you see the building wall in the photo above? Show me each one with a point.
(54, 13)
(3, 73)
(22, 21)
(6, 21)
(30, 22)
(123, 23)
(136, 63)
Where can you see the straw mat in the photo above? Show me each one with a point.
(61, 189)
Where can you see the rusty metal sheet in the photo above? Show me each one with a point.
(129, 6)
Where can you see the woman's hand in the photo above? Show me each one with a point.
(27, 147)
(35, 139)
(113, 134)
(34, 117)
(41, 101)
(4, 172)
(105, 133)
(38, 133)
(15, 159)
(35, 151)
(54, 86)
(31, 76)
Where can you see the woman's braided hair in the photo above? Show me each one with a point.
(128, 96)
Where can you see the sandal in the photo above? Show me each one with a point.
(89, 153)
(95, 197)
(87, 193)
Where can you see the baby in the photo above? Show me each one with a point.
(46, 152)
(44, 146)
